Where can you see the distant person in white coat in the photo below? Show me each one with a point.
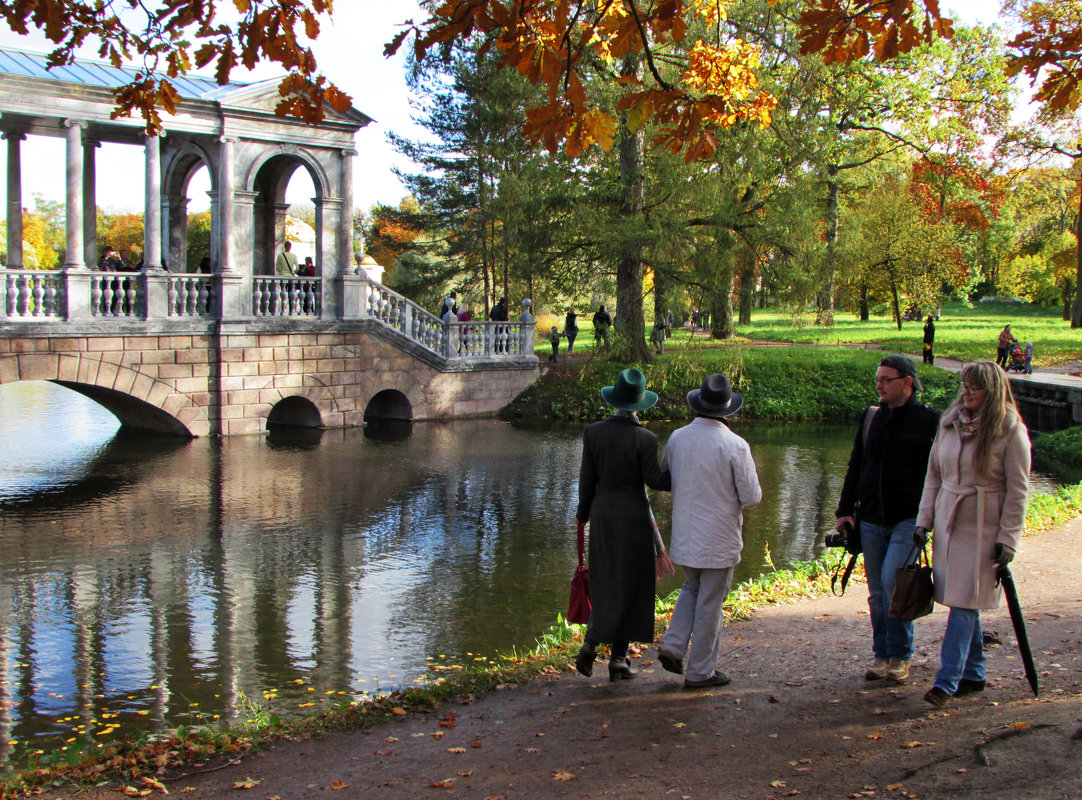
(713, 478)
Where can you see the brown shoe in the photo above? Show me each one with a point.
(877, 671)
(937, 697)
(898, 670)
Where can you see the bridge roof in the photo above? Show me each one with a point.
(104, 75)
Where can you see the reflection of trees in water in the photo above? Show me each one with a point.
(238, 565)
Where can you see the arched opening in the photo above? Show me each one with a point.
(297, 412)
(284, 191)
(133, 413)
(390, 404)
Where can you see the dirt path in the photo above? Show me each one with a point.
(797, 720)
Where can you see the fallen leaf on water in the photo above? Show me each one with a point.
(456, 749)
(446, 783)
(247, 783)
(562, 775)
(911, 745)
(338, 785)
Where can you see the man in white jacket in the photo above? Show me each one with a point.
(713, 478)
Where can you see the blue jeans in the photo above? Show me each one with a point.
(885, 551)
(962, 654)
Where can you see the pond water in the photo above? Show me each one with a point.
(151, 582)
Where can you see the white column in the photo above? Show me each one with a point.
(345, 226)
(152, 205)
(90, 203)
(225, 204)
(15, 202)
(73, 200)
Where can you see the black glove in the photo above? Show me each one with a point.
(920, 536)
(1004, 554)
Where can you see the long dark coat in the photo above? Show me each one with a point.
(618, 457)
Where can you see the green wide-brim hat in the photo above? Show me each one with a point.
(630, 392)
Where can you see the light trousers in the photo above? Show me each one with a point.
(698, 619)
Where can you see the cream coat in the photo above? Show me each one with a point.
(969, 514)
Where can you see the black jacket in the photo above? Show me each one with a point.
(887, 474)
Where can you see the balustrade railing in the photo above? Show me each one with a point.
(279, 296)
(73, 296)
(33, 294)
(191, 296)
(116, 294)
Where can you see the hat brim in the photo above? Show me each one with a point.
(649, 400)
(704, 410)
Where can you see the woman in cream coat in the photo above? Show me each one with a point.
(974, 501)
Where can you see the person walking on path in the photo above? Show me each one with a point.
(929, 341)
(974, 501)
(554, 340)
(713, 478)
(882, 488)
(286, 263)
(619, 456)
(571, 328)
(659, 333)
(602, 323)
(1003, 346)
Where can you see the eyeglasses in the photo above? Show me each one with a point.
(881, 381)
(968, 389)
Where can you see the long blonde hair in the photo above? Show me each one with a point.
(997, 413)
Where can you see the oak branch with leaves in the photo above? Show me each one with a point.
(170, 38)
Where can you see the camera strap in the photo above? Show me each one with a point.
(844, 574)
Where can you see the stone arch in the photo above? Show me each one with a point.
(295, 411)
(266, 181)
(137, 400)
(182, 162)
(388, 404)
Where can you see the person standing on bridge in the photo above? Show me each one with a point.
(974, 501)
(286, 263)
(884, 482)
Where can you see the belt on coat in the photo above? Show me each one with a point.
(961, 491)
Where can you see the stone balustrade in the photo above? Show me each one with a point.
(66, 300)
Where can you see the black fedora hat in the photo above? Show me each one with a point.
(630, 392)
(715, 398)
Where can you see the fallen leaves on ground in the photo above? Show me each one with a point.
(247, 783)
(338, 785)
(446, 783)
(456, 749)
(562, 775)
(911, 745)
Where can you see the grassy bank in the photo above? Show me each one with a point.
(778, 383)
(1062, 447)
(141, 765)
(964, 332)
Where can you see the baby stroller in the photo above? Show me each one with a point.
(1016, 361)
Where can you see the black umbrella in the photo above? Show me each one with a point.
(1004, 577)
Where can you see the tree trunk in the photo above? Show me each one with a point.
(721, 297)
(825, 315)
(865, 313)
(897, 301)
(747, 285)
(1076, 311)
(630, 345)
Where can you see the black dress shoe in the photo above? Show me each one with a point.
(670, 662)
(584, 661)
(968, 687)
(620, 671)
(719, 678)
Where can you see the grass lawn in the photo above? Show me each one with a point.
(966, 333)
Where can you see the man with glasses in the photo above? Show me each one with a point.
(883, 488)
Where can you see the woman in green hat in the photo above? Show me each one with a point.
(619, 457)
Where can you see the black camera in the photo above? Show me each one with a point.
(841, 537)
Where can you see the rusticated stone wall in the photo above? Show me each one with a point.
(228, 382)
